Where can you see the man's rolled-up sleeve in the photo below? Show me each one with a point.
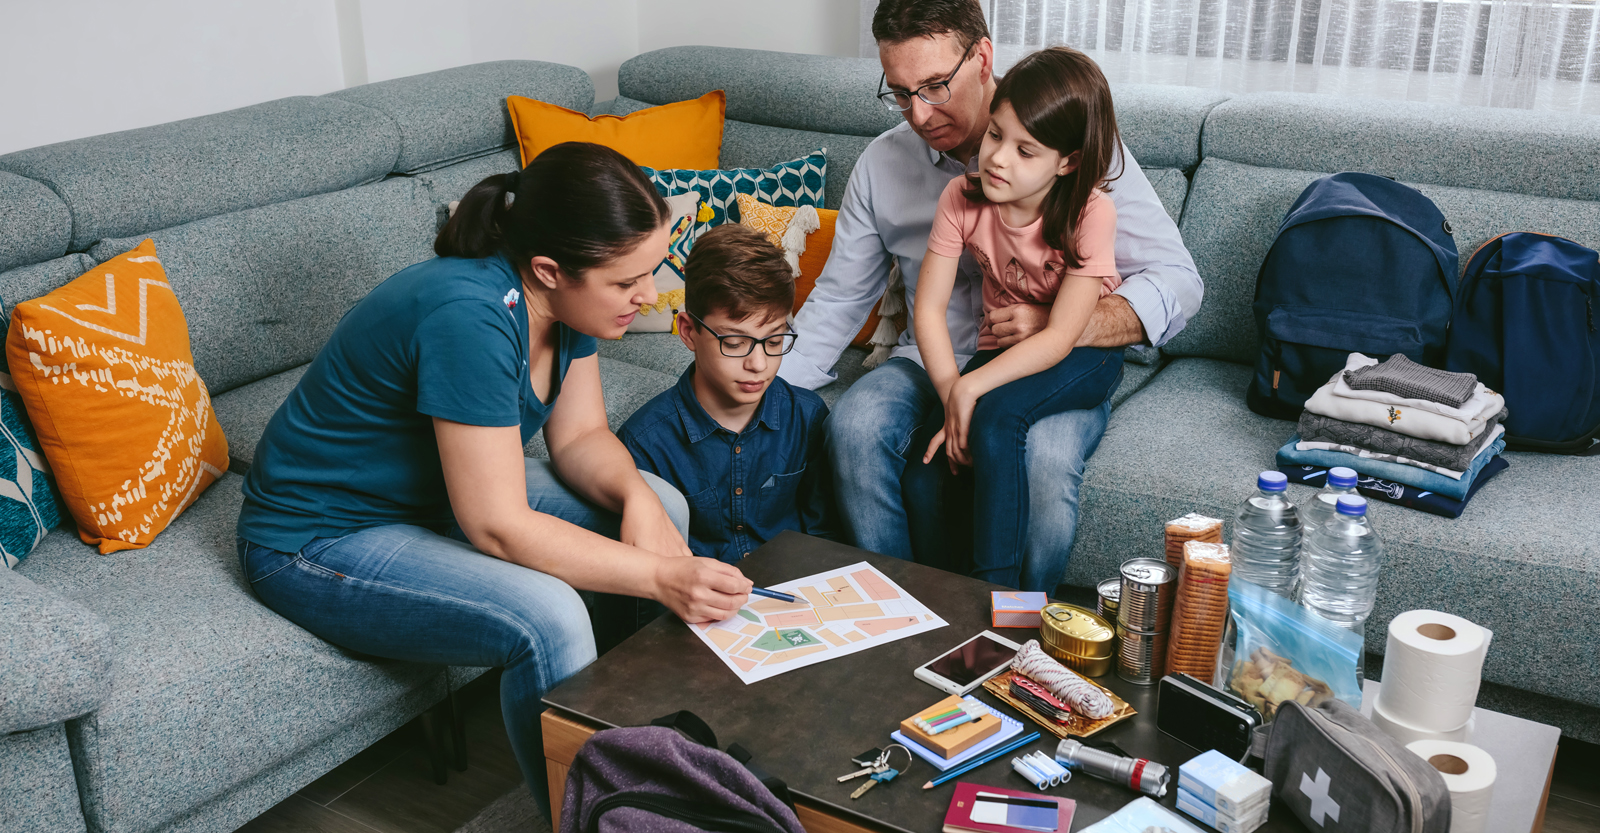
(1159, 278)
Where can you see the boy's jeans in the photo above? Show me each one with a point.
(405, 592)
(890, 502)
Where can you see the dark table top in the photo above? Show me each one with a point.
(805, 725)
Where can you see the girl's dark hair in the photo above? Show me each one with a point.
(577, 203)
(1064, 102)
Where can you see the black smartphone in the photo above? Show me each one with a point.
(1205, 717)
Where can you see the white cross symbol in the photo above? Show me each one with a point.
(1322, 805)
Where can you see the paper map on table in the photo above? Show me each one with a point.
(840, 612)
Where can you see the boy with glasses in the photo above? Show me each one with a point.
(743, 446)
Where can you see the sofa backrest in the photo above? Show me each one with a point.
(783, 105)
(1490, 171)
(271, 220)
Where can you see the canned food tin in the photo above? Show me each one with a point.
(1109, 591)
(1077, 636)
(1148, 587)
(1141, 656)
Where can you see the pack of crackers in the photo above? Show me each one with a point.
(1200, 611)
(1190, 527)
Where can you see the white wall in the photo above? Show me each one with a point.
(820, 27)
(75, 68)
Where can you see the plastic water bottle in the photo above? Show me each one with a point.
(1266, 537)
(1321, 509)
(1340, 570)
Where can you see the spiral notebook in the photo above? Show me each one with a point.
(1009, 728)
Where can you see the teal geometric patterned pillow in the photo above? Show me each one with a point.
(800, 182)
(28, 507)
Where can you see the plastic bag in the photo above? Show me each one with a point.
(1282, 652)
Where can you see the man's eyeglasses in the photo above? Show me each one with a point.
(935, 94)
(737, 347)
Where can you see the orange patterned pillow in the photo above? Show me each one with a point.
(104, 367)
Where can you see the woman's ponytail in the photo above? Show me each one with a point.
(577, 203)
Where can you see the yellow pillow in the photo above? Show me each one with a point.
(104, 367)
(684, 134)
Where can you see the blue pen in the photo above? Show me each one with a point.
(986, 757)
(773, 594)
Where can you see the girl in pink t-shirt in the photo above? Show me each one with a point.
(1042, 230)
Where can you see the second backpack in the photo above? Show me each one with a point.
(1361, 264)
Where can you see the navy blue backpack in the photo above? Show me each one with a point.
(1525, 324)
(1361, 264)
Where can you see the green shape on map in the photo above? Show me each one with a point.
(784, 640)
(751, 616)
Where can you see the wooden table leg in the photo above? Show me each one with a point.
(564, 735)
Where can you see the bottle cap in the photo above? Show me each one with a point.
(1342, 477)
(1272, 481)
(1352, 505)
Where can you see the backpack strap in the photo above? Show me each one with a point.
(691, 726)
(779, 788)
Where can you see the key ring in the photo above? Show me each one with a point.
(883, 759)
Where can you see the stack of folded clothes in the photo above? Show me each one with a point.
(1419, 436)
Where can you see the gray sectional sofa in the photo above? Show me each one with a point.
(149, 691)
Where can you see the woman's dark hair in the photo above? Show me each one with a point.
(897, 21)
(1064, 102)
(577, 203)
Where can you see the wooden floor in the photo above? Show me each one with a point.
(389, 787)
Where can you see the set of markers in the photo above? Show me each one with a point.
(961, 714)
(1041, 770)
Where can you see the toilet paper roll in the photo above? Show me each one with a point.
(1431, 669)
(1406, 733)
(1469, 774)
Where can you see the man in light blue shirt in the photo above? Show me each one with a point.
(939, 71)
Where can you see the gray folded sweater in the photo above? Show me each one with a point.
(1403, 377)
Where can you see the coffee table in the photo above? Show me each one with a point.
(804, 726)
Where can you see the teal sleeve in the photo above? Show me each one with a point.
(468, 364)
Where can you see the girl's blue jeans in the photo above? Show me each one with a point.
(408, 593)
(998, 439)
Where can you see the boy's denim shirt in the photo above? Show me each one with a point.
(743, 489)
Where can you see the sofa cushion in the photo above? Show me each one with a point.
(454, 114)
(137, 181)
(778, 89)
(1520, 561)
(264, 288)
(54, 657)
(1496, 149)
(38, 793)
(1161, 124)
(1171, 186)
(245, 411)
(211, 687)
(34, 223)
(29, 282)
(1232, 216)
(452, 182)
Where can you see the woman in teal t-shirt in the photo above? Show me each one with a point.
(390, 509)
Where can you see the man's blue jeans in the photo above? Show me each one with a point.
(893, 504)
(405, 592)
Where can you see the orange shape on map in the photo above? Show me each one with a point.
(879, 627)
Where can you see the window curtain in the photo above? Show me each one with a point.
(1530, 54)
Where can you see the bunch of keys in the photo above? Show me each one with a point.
(876, 767)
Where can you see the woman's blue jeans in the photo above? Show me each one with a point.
(408, 593)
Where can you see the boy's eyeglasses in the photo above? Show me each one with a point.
(737, 347)
(937, 93)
